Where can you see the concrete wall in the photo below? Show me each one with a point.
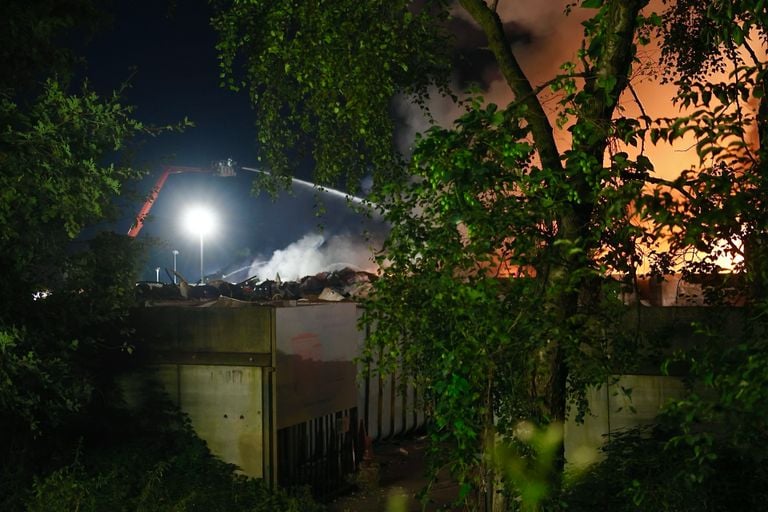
(242, 373)
(316, 347)
(612, 410)
(217, 365)
(243, 330)
(226, 407)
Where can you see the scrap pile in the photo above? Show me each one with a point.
(344, 284)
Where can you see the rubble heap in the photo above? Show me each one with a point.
(339, 285)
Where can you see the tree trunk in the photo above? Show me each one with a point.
(607, 77)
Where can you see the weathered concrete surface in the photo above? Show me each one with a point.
(216, 365)
(244, 329)
(612, 409)
(316, 374)
(225, 406)
(635, 399)
(310, 372)
(242, 373)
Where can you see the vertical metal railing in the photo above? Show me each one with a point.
(389, 405)
(321, 453)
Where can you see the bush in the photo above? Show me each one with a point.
(645, 471)
(152, 461)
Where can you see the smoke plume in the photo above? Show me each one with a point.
(312, 254)
(542, 36)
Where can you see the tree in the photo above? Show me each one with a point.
(62, 309)
(53, 145)
(495, 196)
(716, 432)
(319, 90)
(70, 442)
(719, 209)
(519, 201)
(33, 38)
(722, 81)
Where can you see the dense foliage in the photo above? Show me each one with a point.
(55, 178)
(473, 260)
(70, 442)
(707, 451)
(158, 465)
(493, 192)
(63, 307)
(321, 76)
(643, 471)
(720, 208)
(496, 296)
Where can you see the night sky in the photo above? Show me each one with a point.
(171, 59)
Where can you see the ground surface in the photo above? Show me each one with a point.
(391, 481)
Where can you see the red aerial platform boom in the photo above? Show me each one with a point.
(224, 169)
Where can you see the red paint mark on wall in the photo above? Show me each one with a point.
(307, 346)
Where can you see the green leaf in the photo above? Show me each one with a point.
(592, 4)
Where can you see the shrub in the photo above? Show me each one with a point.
(150, 460)
(644, 471)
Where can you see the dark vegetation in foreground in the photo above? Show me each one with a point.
(645, 471)
(140, 458)
(482, 351)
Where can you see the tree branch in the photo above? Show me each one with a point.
(755, 60)
(740, 114)
(535, 91)
(615, 57)
(658, 181)
(541, 129)
(612, 61)
(642, 111)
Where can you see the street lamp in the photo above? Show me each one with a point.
(157, 274)
(175, 253)
(200, 221)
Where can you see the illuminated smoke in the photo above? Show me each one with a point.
(543, 39)
(312, 254)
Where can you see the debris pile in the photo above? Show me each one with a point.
(339, 285)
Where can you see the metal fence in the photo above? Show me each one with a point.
(321, 453)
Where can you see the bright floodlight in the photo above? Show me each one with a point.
(199, 220)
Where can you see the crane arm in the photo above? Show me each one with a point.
(147, 206)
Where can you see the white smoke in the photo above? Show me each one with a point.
(444, 112)
(312, 254)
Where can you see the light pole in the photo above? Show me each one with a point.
(175, 253)
(200, 221)
(157, 274)
(202, 274)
